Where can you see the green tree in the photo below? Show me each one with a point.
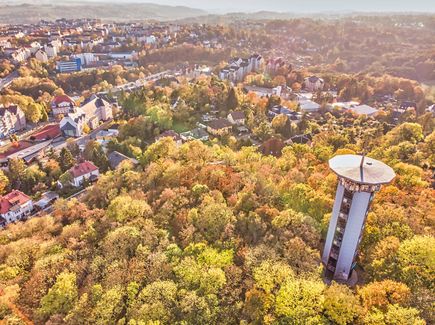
(124, 208)
(232, 100)
(109, 308)
(61, 297)
(4, 182)
(341, 305)
(416, 260)
(211, 219)
(66, 159)
(301, 301)
(17, 169)
(34, 113)
(156, 302)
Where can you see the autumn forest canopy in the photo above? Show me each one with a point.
(206, 234)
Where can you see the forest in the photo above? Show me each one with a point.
(217, 233)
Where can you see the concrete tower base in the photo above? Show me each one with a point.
(351, 282)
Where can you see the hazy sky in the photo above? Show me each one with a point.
(303, 5)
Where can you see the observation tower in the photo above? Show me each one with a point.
(359, 177)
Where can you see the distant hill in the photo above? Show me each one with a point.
(34, 11)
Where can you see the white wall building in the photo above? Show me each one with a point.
(14, 206)
(83, 171)
(41, 56)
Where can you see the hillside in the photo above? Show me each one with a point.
(208, 235)
(33, 12)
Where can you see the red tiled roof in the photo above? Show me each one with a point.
(83, 168)
(61, 99)
(47, 132)
(11, 199)
(13, 148)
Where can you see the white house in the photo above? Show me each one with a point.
(313, 83)
(41, 56)
(14, 206)
(93, 111)
(72, 124)
(237, 118)
(83, 171)
(62, 105)
(12, 119)
(51, 49)
(96, 110)
(86, 58)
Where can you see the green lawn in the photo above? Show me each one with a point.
(180, 126)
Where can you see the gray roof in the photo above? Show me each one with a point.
(116, 158)
(371, 173)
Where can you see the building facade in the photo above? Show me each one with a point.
(12, 119)
(83, 171)
(14, 206)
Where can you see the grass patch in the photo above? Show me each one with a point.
(180, 126)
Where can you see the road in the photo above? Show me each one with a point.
(129, 86)
(6, 81)
(84, 139)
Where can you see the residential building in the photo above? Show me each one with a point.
(51, 50)
(62, 105)
(263, 91)
(46, 200)
(116, 158)
(238, 68)
(96, 110)
(219, 127)
(91, 113)
(72, 124)
(12, 119)
(41, 56)
(171, 134)
(195, 134)
(84, 171)
(313, 83)
(279, 109)
(273, 65)
(86, 58)
(14, 206)
(237, 118)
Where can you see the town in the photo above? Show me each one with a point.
(87, 105)
(69, 121)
